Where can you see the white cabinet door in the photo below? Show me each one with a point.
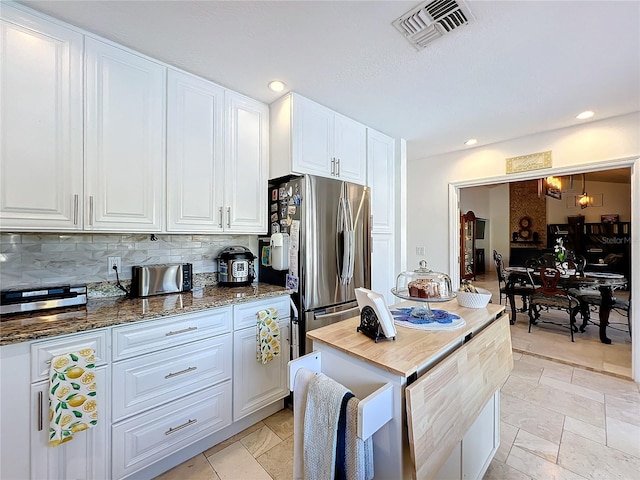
(256, 385)
(383, 274)
(246, 165)
(40, 124)
(350, 150)
(381, 179)
(195, 164)
(87, 456)
(312, 138)
(124, 140)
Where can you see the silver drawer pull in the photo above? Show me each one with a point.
(184, 330)
(39, 411)
(186, 370)
(180, 427)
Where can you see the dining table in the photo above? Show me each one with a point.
(603, 281)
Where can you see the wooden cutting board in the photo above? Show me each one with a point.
(443, 403)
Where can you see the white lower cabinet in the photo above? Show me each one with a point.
(256, 385)
(162, 385)
(147, 381)
(84, 457)
(472, 456)
(143, 439)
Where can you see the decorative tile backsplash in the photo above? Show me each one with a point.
(32, 259)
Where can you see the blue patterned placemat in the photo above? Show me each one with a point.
(442, 320)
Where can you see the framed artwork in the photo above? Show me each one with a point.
(610, 218)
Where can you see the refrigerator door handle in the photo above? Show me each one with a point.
(325, 316)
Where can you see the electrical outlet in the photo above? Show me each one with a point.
(419, 250)
(111, 261)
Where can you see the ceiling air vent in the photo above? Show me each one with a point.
(430, 20)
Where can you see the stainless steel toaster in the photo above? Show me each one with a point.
(147, 280)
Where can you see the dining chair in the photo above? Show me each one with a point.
(549, 296)
(590, 300)
(519, 287)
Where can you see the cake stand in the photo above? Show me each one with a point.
(422, 310)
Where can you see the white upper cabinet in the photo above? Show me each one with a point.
(246, 165)
(217, 146)
(381, 173)
(195, 163)
(124, 140)
(350, 150)
(308, 138)
(40, 124)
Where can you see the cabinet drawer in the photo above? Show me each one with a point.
(244, 315)
(149, 437)
(43, 352)
(147, 337)
(150, 380)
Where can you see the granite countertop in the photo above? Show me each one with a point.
(106, 312)
(412, 350)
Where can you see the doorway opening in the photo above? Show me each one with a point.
(610, 354)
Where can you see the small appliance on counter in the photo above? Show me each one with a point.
(41, 298)
(235, 267)
(147, 280)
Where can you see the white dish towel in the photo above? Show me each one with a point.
(317, 402)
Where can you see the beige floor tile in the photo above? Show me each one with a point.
(536, 445)
(196, 468)
(236, 463)
(234, 439)
(539, 468)
(526, 370)
(278, 461)
(623, 436)
(507, 436)
(586, 430)
(622, 410)
(281, 423)
(517, 356)
(595, 461)
(575, 389)
(559, 401)
(260, 441)
(502, 471)
(531, 418)
(606, 384)
(551, 369)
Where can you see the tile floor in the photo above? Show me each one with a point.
(567, 412)
(557, 422)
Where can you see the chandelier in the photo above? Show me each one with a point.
(584, 200)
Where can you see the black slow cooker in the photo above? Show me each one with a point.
(235, 267)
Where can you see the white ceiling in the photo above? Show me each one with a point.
(520, 67)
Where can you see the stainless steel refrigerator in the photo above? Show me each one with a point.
(332, 249)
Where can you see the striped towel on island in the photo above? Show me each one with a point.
(72, 395)
(267, 335)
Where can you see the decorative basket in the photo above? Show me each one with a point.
(474, 300)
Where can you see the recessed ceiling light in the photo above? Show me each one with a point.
(471, 141)
(584, 115)
(277, 86)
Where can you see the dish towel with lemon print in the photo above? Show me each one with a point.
(72, 395)
(267, 336)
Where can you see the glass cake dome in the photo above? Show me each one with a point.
(424, 285)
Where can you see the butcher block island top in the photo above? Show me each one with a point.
(110, 311)
(412, 350)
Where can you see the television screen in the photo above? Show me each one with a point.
(480, 224)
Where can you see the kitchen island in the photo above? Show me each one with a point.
(448, 380)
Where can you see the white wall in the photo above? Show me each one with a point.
(428, 179)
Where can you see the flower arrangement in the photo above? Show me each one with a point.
(560, 250)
